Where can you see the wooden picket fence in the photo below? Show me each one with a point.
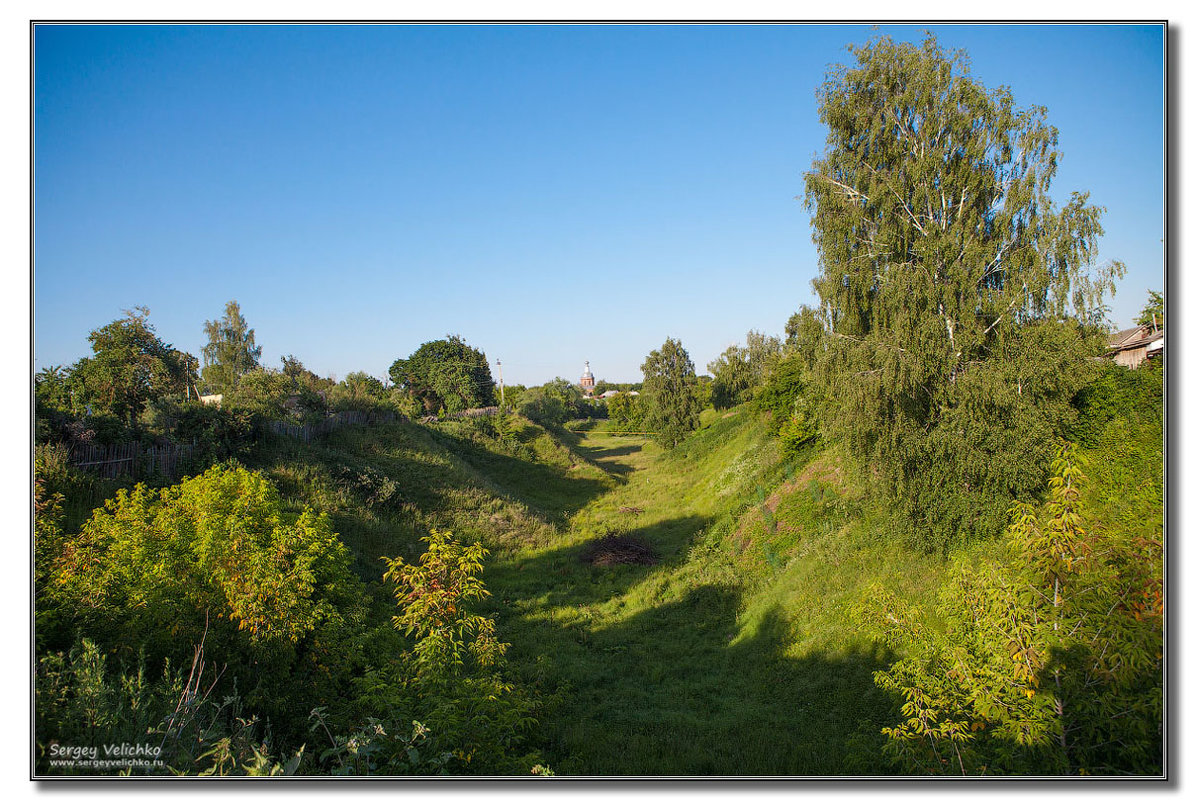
(131, 459)
(307, 433)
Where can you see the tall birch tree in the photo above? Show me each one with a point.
(958, 301)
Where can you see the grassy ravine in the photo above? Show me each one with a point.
(733, 655)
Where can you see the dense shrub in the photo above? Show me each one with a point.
(1118, 392)
(1050, 659)
(215, 558)
(219, 544)
(217, 433)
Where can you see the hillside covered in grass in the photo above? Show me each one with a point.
(703, 590)
(683, 612)
(692, 611)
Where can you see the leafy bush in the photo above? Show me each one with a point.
(262, 393)
(155, 567)
(218, 434)
(796, 433)
(358, 391)
(374, 488)
(380, 748)
(82, 701)
(49, 463)
(1118, 392)
(452, 679)
(1051, 658)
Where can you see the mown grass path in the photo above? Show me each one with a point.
(651, 669)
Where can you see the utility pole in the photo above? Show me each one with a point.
(502, 397)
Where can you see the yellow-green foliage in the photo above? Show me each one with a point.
(1050, 660)
(215, 545)
(434, 598)
(451, 680)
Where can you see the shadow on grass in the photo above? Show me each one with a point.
(598, 452)
(561, 577)
(678, 689)
(607, 459)
(548, 489)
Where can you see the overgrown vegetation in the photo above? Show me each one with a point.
(792, 567)
(1051, 658)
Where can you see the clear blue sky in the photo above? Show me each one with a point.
(551, 193)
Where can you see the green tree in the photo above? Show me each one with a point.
(669, 399)
(958, 303)
(626, 412)
(358, 390)
(1049, 659)
(1153, 312)
(446, 374)
(740, 370)
(230, 352)
(129, 367)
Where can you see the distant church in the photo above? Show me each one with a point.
(587, 381)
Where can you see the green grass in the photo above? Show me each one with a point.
(718, 660)
(736, 653)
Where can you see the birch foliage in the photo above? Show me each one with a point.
(958, 301)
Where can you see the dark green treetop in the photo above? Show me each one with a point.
(669, 399)
(129, 367)
(446, 374)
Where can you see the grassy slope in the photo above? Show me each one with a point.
(684, 667)
(736, 653)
